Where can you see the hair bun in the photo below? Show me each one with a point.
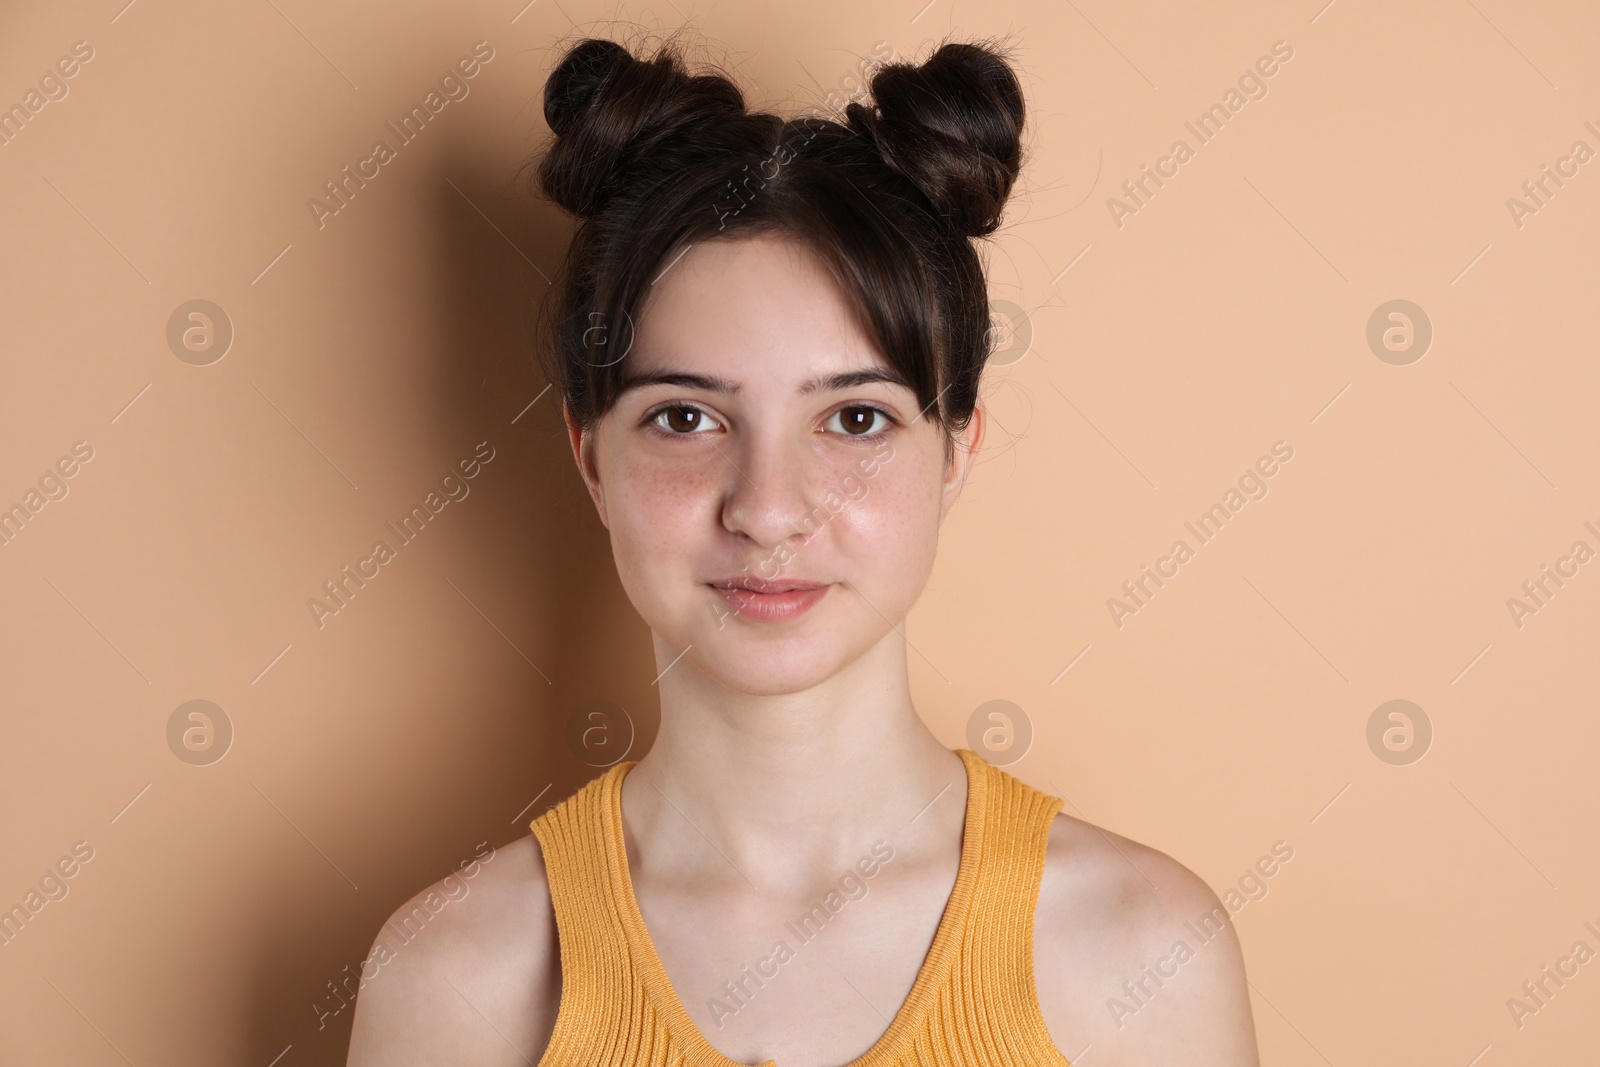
(609, 110)
(570, 87)
(953, 126)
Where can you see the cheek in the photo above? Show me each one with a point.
(656, 513)
(895, 521)
(656, 505)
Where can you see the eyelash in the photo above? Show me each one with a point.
(650, 420)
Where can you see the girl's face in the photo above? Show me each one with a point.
(774, 500)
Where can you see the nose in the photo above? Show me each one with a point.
(768, 495)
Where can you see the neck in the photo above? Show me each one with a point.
(789, 785)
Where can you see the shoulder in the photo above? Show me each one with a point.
(454, 970)
(1135, 956)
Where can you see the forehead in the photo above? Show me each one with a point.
(749, 308)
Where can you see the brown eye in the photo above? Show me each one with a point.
(683, 420)
(860, 420)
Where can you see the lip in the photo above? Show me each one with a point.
(774, 600)
(766, 585)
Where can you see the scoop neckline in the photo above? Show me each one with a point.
(660, 992)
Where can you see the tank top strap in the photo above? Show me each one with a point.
(599, 981)
(997, 947)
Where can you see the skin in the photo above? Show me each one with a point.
(787, 749)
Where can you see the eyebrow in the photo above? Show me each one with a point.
(715, 384)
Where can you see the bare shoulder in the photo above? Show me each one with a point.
(1135, 956)
(466, 971)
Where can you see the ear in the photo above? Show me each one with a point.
(583, 446)
(963, 452)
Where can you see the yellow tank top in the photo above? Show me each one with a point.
(973, 1003)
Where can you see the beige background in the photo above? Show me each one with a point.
(372, 755)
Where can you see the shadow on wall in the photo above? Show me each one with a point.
(539, 564)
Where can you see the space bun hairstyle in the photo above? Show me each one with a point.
(650, 158)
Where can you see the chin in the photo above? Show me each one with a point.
(763, 659)
(770, 672)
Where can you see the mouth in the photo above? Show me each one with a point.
(767, 585)
(769, 600)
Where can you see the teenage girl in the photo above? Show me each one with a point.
(768, 337)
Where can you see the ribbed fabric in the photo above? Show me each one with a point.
(973, 1004)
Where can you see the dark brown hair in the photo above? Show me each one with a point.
(651, 158)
